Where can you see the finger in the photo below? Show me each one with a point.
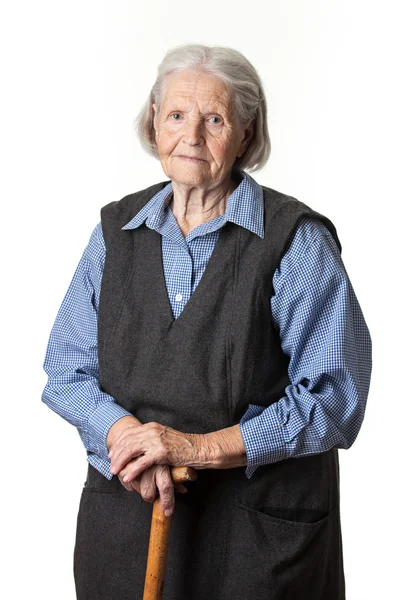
(131, 486)
(165, 488)
(127, 486)
(123, 455)
(148, 488)
(135, 484)
(138, 466)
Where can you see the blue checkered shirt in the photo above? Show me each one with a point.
(321, 325)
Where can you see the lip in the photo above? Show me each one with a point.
(190, 158)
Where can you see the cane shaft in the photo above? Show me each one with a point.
(157, 553)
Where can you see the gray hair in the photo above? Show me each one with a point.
(241, 78)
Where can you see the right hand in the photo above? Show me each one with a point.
(146, 484)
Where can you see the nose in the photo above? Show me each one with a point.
(193, 133)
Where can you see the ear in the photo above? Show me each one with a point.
(248, 134)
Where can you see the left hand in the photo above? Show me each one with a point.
(154, 444)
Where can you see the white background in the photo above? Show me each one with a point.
(74, 76)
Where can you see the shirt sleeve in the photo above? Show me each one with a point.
(323, 331)
(71, 360)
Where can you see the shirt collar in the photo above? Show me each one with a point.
(245, 207)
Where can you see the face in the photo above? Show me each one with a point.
(198, 137)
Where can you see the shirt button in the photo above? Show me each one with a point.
(178, 297)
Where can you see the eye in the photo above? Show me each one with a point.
(175, 115)
(219, 120)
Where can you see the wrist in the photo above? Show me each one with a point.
(208, 451)
(203, 452)
(227, 448)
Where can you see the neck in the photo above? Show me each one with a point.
(192, 206)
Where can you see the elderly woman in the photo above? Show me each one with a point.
(211, 323)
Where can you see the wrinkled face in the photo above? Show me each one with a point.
(198, 137)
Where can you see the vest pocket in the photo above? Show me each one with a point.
(308, 518)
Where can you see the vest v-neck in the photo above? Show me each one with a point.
(214, 264)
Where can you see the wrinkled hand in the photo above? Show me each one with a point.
(146, 484)
(153, 444)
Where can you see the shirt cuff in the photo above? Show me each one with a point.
(99, 424)
(263, 438)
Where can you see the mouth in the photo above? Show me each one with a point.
(192, 159)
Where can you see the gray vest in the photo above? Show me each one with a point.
(274, 536)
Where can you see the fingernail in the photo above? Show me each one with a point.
(125, 478)
(168, 512)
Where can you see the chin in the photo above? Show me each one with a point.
(190, 176)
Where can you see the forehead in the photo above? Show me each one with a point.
(195, 87)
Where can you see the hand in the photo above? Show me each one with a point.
(146, 484)
(119, 426)
(154, 444)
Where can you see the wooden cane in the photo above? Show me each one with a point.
(159, 538)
